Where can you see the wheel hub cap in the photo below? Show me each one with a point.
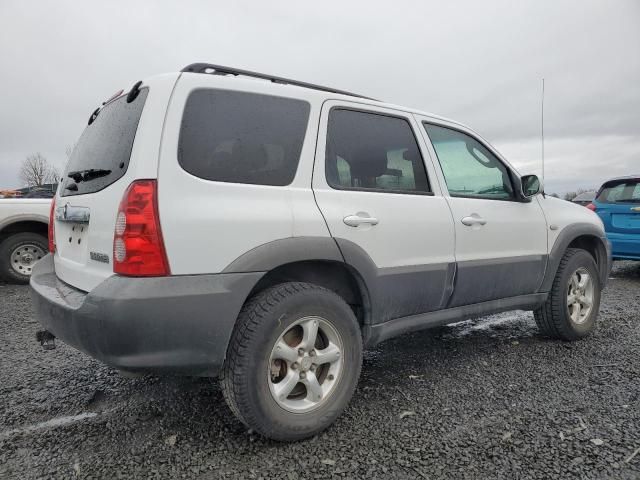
(305, 365)
(23, 258)
(580, 294)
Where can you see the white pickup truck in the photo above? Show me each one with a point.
(23, 236)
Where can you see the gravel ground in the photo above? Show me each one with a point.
(480, 399)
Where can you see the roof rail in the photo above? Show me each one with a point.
(220, 70)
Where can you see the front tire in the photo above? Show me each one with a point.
(293, 361)
(572, 306)
(18, 254)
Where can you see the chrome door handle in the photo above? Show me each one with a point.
(359, 219)
(473, 219)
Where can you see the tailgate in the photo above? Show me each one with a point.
(118, 147)
(618, 204)
(90, 192)
(84, 228)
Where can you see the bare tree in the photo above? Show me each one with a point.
(37, 171)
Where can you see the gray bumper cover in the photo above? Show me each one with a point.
(176, 324)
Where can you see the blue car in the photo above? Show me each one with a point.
(618, 205)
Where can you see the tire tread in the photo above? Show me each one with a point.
(256, 311)
(550, 317)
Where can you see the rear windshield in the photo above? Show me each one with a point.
(101, 156)
(242, 137)
(620, 191)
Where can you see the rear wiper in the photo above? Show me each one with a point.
(89, 174)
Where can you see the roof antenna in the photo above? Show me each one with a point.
(542, 137)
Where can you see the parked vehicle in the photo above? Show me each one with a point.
(23, 236)
(267, 231)
(40, 193)
(618, 205)
(584, 198)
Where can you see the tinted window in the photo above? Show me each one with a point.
(373, 152)
(620, 191)
(469, 169)
(105, 146)
(242, 137)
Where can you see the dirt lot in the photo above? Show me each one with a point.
(480, 399)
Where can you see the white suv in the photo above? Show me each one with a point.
(213, 223)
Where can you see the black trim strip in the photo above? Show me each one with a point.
(375, 334)
(568, 235)
(495, 278)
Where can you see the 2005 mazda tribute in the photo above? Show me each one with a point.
(213, 223)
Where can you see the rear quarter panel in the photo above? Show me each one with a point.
(206, 224)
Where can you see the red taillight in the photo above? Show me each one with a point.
(52, 230)
(138, 249)
(591, 207)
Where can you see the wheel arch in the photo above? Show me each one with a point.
(584, 236)
(316, 260)
(23, 224)
(332, 275)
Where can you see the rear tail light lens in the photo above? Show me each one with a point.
(52, 229)
(591, 207)
(138, 249)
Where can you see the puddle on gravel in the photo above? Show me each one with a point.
(508, 324)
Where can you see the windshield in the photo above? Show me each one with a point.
(620, 191)
(101, 156)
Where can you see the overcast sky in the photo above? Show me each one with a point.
(480, 63)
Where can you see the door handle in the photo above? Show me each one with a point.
(359, 218)
(473, 219)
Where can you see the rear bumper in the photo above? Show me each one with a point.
(625, 245)
(178, 324)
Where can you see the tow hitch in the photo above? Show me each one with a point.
(46, 339)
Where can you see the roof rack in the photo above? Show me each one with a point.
(221, 70)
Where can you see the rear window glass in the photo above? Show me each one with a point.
(101, 156)
(620, 191)
(242, 137)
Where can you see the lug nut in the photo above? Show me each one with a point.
(301, 351)
(312, 353)
(294, 365)
(330, 376)
(313, 367)
(303, 375)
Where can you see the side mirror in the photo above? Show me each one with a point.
(530, 185)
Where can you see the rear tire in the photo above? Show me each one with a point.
(280, 378)
(18, 254)
(572, 306)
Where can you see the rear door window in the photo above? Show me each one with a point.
(620, 191)
(241, 137)
(370, 151)
(101, 156)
